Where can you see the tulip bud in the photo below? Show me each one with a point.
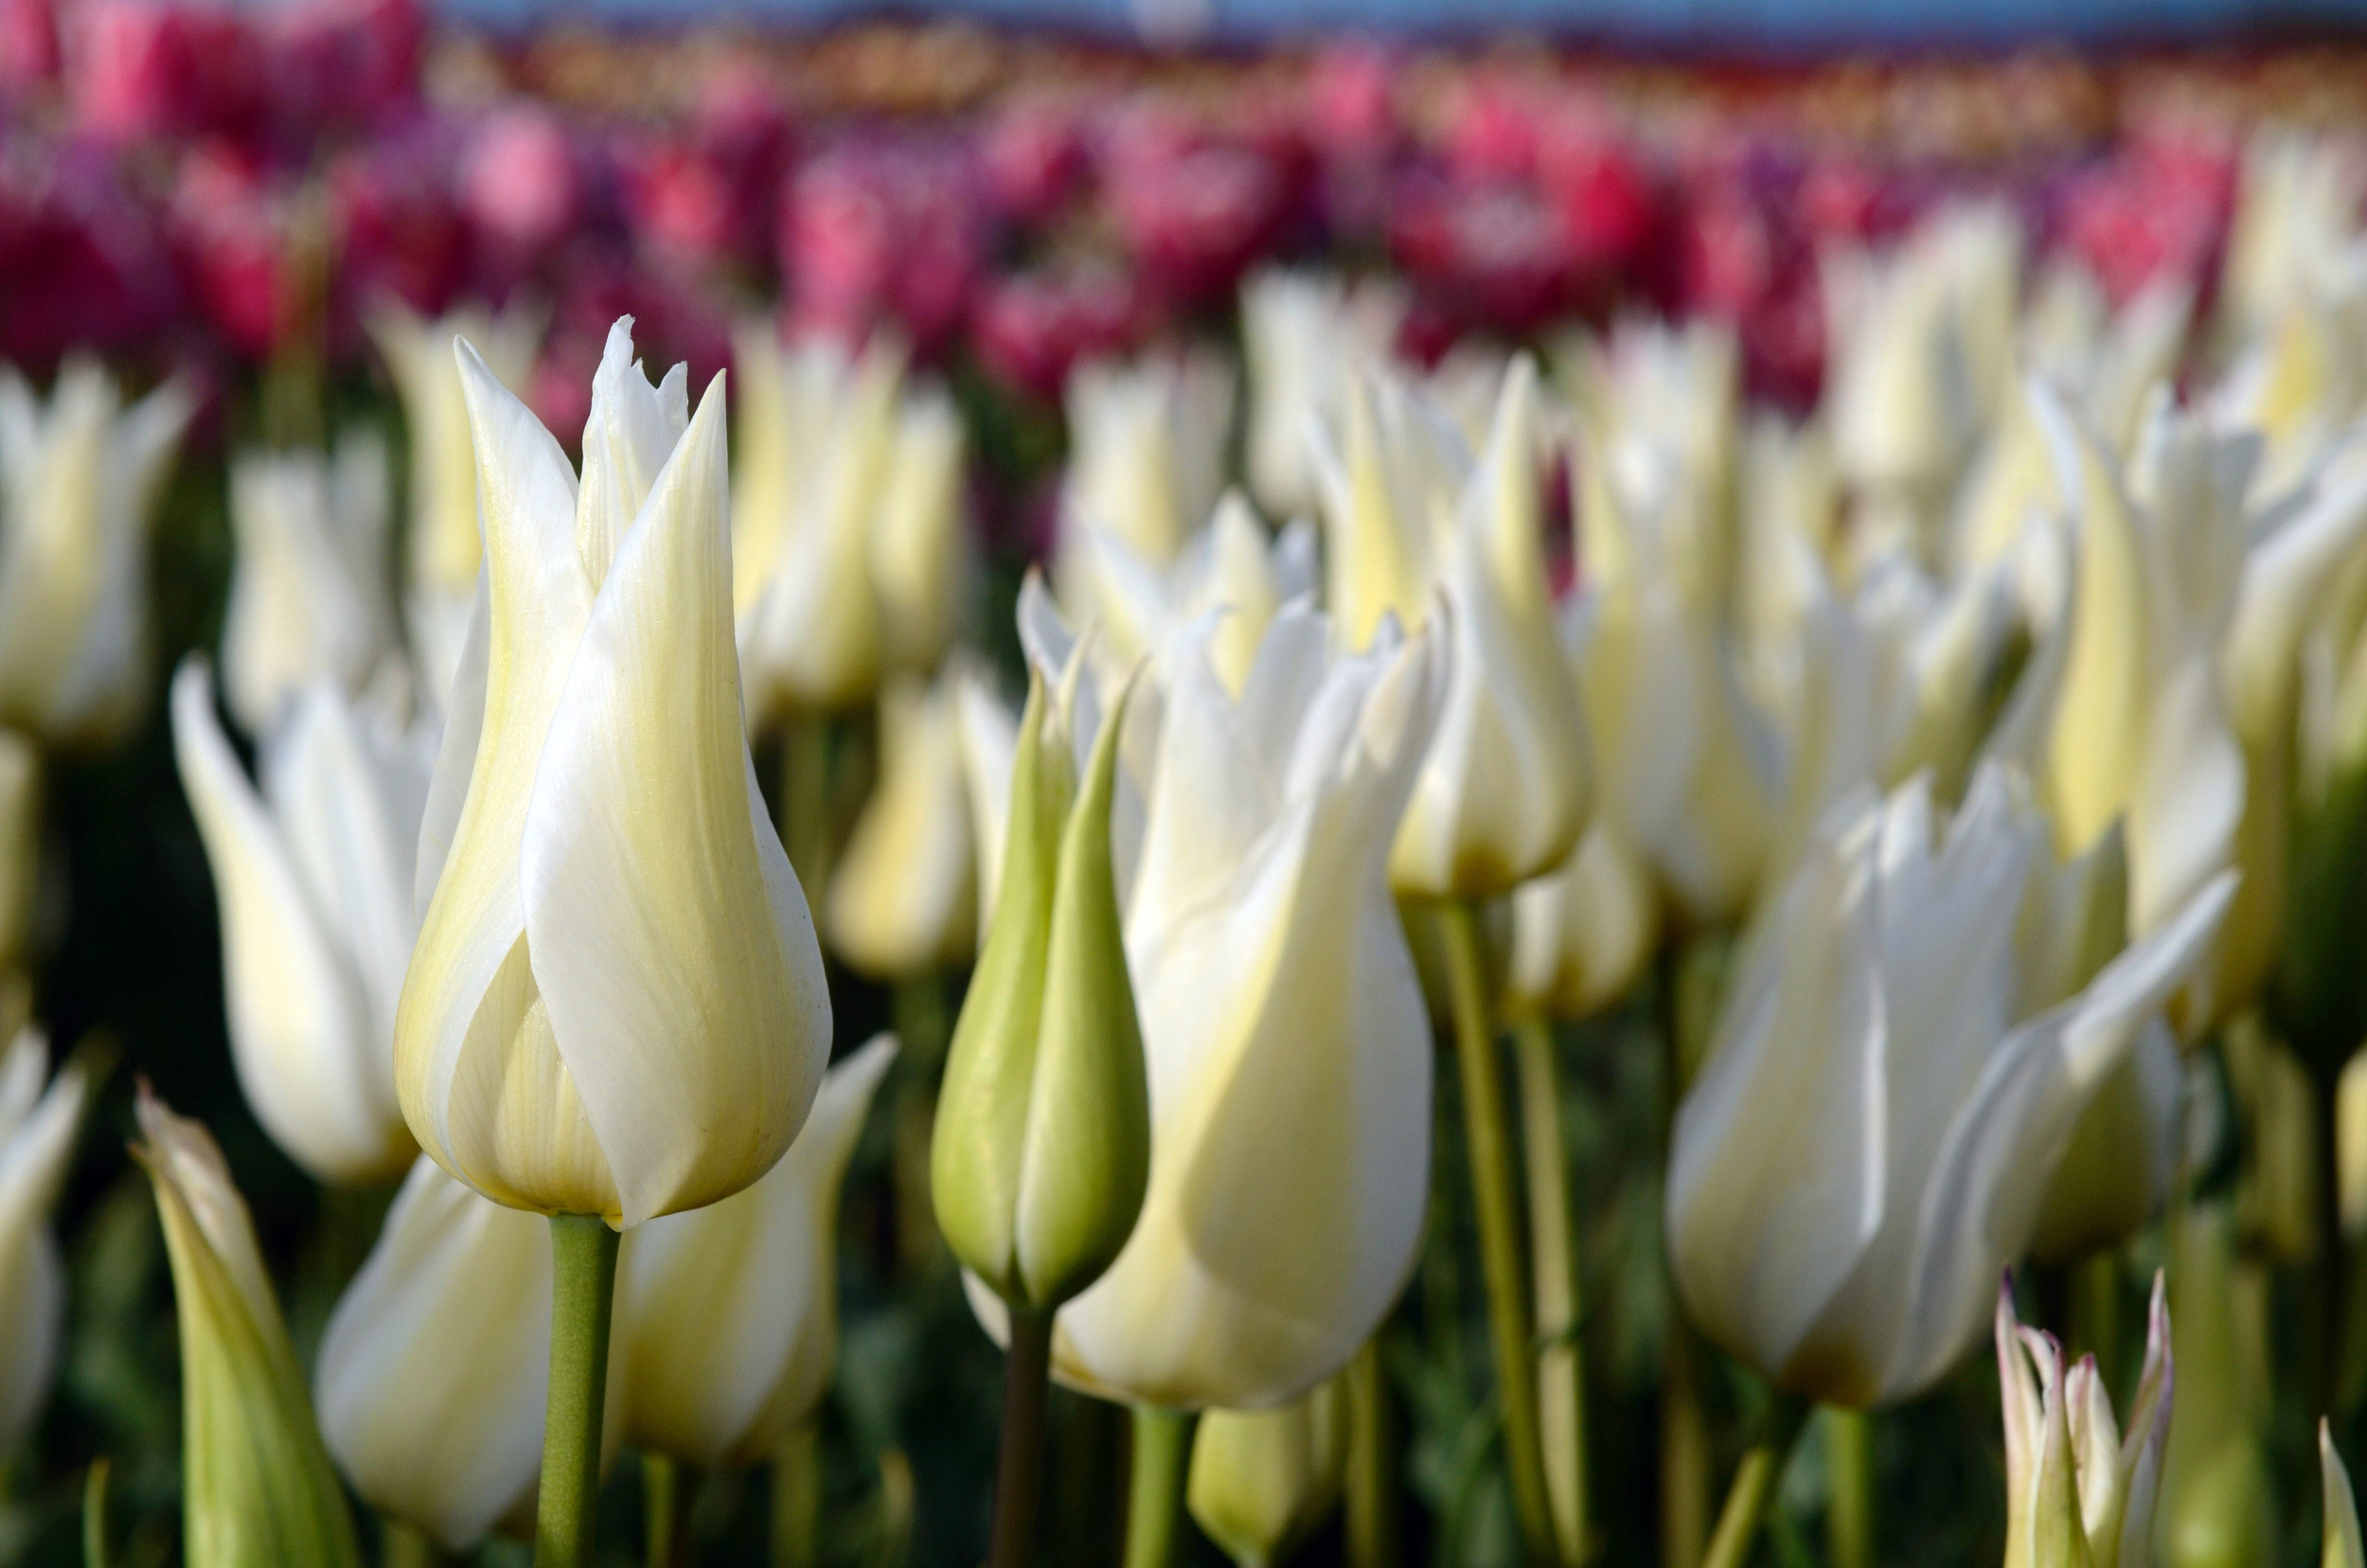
(902, 900)
(37, 1128)
(1042, 1141)
(312, 877)
(2077, 1492)
(257, 1485)
(2342, 1546)
(81, 477)
(1582, 935)
(1261, 879)
(19, 845)
(309, 594)
(919, 553)
(1261, 1479)
(616, 1005)
(435, 1367)
(728, 1314)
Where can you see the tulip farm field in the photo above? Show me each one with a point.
(923, 796)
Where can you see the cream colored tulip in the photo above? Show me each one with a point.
(2343, 1548)
(309, 594)
(1920, 360)
(616, 1005)
(1583, 933)
(1413, 523)
(729, 1315)
(1145, 461)
(442, 550)
(1260, 1480)
(2079, 1493)
(257, 1484)
(20, 847)
(2106, 361)
(1871, 1136)
(313, 875)
(902, 900)
(1691, 769)
(1288, 1048)
(1302, 331)
(435, 1365)
(37, 1131)
(78, 479)
(1232, 569)
(2297, 208)
(848, 556)
(2122, 713)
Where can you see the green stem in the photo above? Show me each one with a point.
(1019, 1462)
(2095, 1313)
(1154, 1492)
(584, 1293)
(1753, 1485)
(797, 1499)
(400, 1546)
(1372, 1479)
(1554, 1246)
(806, 800)
(1849, 1488)
(1491, 1145)
(94, 1515)
(918, 1006)
(660, 1494)
(1684, 1437)
(1685, 1451)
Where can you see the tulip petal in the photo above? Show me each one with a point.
(728, 1312)
(2342, 1546)
(666, 931)
(305, 1042)
(631, 428)
(434, 1367)
(1984, 1189)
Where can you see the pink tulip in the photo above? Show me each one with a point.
(519, 186)
(1030, 328)
(883, 232)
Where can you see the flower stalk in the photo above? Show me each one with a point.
(1018, 1458)
(1489, 1134)
(1154, 1492)
(583, 1281)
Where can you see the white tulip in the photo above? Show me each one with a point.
(313, 876)
(2297, 208)
(849, 559)
(1301, 333)
(2121, 712)
(1145, 461)
(442, 550)
(902, 900)
(1232, 568)
(435, 1365)
(309, 594)
(37, 1128)
(729, 1315)
(78, 479)
(1289, 1047)
(1869, 1141)
(616, 1005)
(1920, 359)
(1582, 933)
(1413, 520)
